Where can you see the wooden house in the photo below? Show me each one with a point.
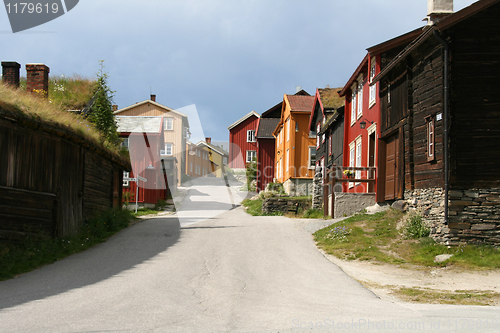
(144, 139)
(175, 128)
(242, 141)
(217, 156)
(439, 124)
(198, 161)
(295, 155)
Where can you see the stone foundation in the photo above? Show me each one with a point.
(347, 204)
(473, 214)
(317, 199)
(298, 187)
(281, 204)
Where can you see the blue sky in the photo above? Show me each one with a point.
(225, 57)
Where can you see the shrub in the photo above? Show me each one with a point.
(415, 228)
(313, 214)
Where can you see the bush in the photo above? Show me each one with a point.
(415, 228)
(313, 214)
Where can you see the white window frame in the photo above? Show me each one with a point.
(373, 88)
(251, 136)
(354, 94)
(359, 155)
(167, 146)
(169, 124)
(318, 129)
(360, 97)
(352, 158)
(126, 183)
(288, 129)
(249, 155)
(311, 164)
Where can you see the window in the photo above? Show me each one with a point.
(373, 89)
(125, 143)
(312, 157)
(198, 153)
(126, 183)
(353, 103)
(287, 160)
(251, 154)
(185, 133)
(168, 149)
(358, 157)
(352, 157)
(430, 138)
(169, 124)
(318, 128)
(388, 93)
(190, 166)
(360, 96)
(288, 129)
(251, 136)
(330, 144)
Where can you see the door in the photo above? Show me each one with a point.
(391, 167)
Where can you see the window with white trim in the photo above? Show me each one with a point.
(168, 149)
(360, 97)
(373, 88)
(169, 124)
(125, 143)
(318, 129)
(358, 157)
(312, 157)
(251, 154)
(430, 138)
(126, 183)
(352, 157)
(288, 129)
(353, 103)
(287, 161)
(251, 136)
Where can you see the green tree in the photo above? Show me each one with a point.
(101, 112)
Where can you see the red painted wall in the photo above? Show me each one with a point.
(238, 139)
(266, 151)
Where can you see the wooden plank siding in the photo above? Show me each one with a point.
(266, 172)
(51, 180)
(238, 141)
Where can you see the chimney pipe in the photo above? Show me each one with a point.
(437, 9)
(153, 98)
(37, 78)
(10, 73)
(208, 140)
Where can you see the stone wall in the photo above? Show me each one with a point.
(298, 187)
(473, 214)
(347, 204)
(317, 200)
(281, 204)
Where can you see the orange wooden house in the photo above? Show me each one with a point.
(295, 155)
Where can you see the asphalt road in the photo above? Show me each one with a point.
(228, 273)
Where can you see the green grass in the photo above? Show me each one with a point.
(376, 238)
(254, 208)
(457, 297)
(313, 214)
(28, 255)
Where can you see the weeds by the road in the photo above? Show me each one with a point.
(375, 237)
(28, 255)
(457, 297)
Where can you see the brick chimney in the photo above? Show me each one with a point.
(153, 98)
(10, 73)
(437, 9)
(37, 78)
(208, 140)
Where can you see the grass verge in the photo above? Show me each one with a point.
(28, 255)
(457, 297)
(376, 238)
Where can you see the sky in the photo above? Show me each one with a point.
(219, 58)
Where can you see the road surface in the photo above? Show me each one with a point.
(228, 273)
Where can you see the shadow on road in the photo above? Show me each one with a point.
(125, 250)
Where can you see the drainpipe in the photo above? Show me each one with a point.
(445, 115)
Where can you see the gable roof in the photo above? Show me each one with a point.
(266, 128)
(253, 113)
(166, 108)
(217, 149)
(429, 30)
(138, 124)
(330, 99)
(300, 103)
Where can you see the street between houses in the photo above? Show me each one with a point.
(229, 273)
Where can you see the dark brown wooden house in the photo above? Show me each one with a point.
(440, 124)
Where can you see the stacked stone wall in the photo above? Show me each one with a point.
(282, 204)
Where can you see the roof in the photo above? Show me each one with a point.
(299, 103)
(361, 67)
(330, 98)
(253, 113)
(266, 128)
(338, 114)
(217, 149)
(134, 124)
(166, 108)
(429, 30)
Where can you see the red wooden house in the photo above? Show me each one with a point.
(242, 141)
(143, 136)
(266, 145)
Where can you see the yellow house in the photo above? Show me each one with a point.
(295, 149)
(218, 157)
(175, 127)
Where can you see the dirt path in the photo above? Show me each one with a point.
(382, 279)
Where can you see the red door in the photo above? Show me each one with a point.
(391, 176)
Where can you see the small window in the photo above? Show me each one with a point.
(358, 158)
(373, 88)
(353, 103)
(126, 183)
(190, 166)
(251, 155)
(431, 149)
(169, 124)
(250, 136)
(330, 143)
(168, 149)
(312, 157)
(360, 98)
(125, 143)
(288, 129)
(318, 128)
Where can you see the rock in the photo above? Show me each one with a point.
(442, 257)
(400, 205)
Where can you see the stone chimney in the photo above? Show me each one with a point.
(153, 98)
(208, 140)
(437, 9)
(10, 73)
(37, 78)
